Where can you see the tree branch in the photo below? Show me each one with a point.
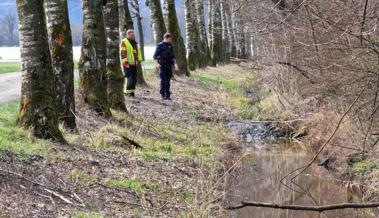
(304, 208)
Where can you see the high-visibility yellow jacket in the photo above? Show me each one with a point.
(127, 53)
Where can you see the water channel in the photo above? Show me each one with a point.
(265, 163)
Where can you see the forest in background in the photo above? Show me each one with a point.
(8, 20)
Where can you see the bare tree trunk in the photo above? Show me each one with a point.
(216, 49)
(204, 47)
(231, 30)
(157, 19)
(37, 106)
(126, 21)
(60, 42)
(210, 27)
(241, 49)
(137, 11)
(192, 35)
(115, 82)
(225, 32)
(178, 43)
(92, 64)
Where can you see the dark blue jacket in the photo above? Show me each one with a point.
(164, 54)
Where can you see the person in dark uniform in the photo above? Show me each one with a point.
(165, 60)
(131, 56)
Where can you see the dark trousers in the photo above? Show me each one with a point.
(165, 74)
(131, 74)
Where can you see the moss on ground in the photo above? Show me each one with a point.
(16, 139)
(80, 214)
(365, 166)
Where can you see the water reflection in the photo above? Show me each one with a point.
(259, 180)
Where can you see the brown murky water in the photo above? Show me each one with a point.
(258, 179)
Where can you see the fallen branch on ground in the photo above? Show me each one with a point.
(304, 208)
(132, 142)
(50, 190)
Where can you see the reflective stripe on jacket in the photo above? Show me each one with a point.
(127, 47)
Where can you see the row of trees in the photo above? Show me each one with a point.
(48, 96)
(47, 60)
(206, 45)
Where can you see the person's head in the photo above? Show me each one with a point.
(167, 38)
(130, 34)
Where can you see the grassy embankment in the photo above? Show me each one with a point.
(175, 174)
(177, 171)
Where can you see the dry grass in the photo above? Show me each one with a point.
(176, 173)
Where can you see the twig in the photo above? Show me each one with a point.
(302, 72)
(45, 188)
(132, 142)
(305, 208)
(303, 168)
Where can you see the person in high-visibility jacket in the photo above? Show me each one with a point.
(131, 56)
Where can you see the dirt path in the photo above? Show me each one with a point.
(10, 86)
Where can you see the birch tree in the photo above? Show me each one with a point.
(203, 40)
(231, 30)
(115, 77)
(178, 42)
(192, 35)
(60, 42)
(225, 34)
(37, 106)
(137, 12)
(216, 23)
(157, 19)
(92, 64)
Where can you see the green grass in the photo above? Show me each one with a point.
(149, 62)
(134, 185)
(174, 141)
(17, 139)
(209, 80)
(365, 166)
(82, 177)
(10, 67)
(80, 214)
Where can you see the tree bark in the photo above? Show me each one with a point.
(115, 82)
(216, 49)
(203, 47)
(231, 32)
(137, 10)
(37, 106)
(225, 32)
(193, 52)
(92, 64)
(240, 37)
(178, 42)
(60, 42)
(157, 19)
